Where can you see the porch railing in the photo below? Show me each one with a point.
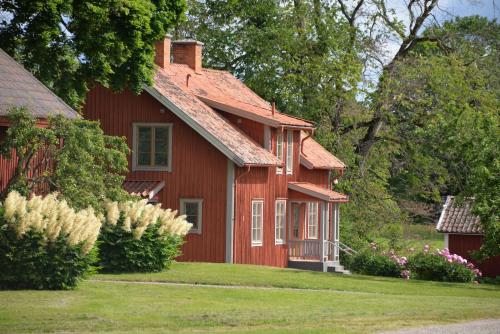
(304, 248)
(311, 249)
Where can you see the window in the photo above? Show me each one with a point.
(192, 208)
(152, 147)
(3, 133)
(279, 150)
(312, 220)
(289, 152)
(296, 221)
(279, 221)
(257, 218)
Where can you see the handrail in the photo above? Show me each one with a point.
(343, 247)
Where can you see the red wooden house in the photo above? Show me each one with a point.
(19, 88)
(463, 233)
(253, 181)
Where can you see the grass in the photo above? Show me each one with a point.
(414, 236)
(322, 303)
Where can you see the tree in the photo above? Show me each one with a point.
(446, 116)
(71, 157)
(72, 44)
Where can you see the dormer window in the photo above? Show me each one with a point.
(279, 150)
(152, 147)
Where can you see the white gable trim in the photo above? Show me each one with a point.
(443, 213)
(195, 126)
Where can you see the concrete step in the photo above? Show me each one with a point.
(338, 268)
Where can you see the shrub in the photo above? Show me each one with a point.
(368, 263)
(442, 266)
(45, 244)
(140, 237)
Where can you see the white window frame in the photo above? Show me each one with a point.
(279, 150)
(279, 221)
(199, 202)
(312, 220)
(257, 225)
(295, 219)
(135, 146)
(289, 152)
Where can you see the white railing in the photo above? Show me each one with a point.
(332, 248)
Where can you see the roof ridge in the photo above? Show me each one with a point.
(270, 110)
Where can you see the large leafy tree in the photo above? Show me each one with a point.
(445, 115)
(70, 44)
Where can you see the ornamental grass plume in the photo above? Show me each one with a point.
(53, 218)
(137, 216)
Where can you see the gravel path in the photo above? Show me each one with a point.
(217, 286)
(488, 326)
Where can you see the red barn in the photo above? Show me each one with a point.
(19, 88)
(252, 180)
(463, 233)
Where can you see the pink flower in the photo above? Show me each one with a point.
(405, 274)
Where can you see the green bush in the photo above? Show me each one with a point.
(434, 267)
(44, 244)
(140, 237)
(121, 252)
(368, 263)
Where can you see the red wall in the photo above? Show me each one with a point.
(39, 163)
(198, 169)
(464, 245)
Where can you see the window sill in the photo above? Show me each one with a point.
(197, 232)
(150, 169)
(256, 244)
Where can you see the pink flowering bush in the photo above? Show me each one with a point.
(441, 265)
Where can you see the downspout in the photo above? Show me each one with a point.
(309, 134)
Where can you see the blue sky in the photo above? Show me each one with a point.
(488, 8)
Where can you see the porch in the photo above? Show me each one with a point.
(313, 232)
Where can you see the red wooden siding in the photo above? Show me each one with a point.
(251, 128)
(464, 245)
(315, 176)
(198, 169)
(40, 162)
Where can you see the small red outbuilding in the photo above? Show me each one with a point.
(463, 233)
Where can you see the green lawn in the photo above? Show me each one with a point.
(321, 303)
(414, 236)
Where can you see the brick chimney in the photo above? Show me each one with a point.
(188, 51)
(162, 49)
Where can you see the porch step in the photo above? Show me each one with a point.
(335, 267)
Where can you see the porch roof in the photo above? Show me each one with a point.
(145, 189)
(317, 192)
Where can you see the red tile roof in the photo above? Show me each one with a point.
(317, 191)
(146, 189)
(18, 87)
(207, 122)
(315, 156)
(221, 90)
(457, 218)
